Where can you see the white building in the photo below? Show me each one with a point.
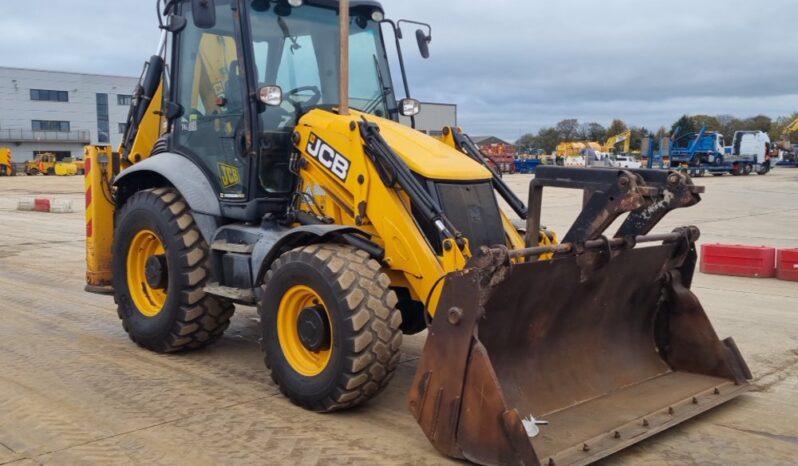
(60, 112)
(52, 111)
(434, 117)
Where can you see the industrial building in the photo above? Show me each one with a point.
(434, 117)
(60, 112)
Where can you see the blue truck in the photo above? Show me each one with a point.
(705, 153)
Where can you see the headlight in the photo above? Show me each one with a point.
(409, 107)
(295, 3)
(377, 16)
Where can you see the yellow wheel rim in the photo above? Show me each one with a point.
(301, 359)
(148, 300)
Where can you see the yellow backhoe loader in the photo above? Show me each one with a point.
(48, 163)
(266, 166)
(6, 162)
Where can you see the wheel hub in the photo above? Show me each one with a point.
(156, 271)
(314, 329)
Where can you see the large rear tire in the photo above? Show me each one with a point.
(331, 329)
(161, 265)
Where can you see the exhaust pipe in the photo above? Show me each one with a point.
(343, 106)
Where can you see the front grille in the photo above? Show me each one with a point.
(473, 210)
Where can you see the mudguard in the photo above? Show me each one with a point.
(274, 242)
(186, 177)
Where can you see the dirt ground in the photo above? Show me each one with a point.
(75, 390)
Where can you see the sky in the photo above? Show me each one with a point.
(511, 66)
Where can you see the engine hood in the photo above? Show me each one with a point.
(425, 155)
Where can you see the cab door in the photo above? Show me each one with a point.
(209, 86)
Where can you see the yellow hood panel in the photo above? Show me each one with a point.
(424, 155)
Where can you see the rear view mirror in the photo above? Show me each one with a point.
(423, 38)
(271, 96)
(204, 12)
(423, 42)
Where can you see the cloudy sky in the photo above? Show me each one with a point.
(512, 66)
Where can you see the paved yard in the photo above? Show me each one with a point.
(75, 390)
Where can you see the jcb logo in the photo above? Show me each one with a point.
(329, 157)
(229, 175)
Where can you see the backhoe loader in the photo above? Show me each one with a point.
(6, 162)
(263, 164)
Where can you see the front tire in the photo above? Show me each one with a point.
(331, 329)
(161, 265)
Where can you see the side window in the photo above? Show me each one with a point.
(364, 81)
(210, 89)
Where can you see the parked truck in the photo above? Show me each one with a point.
(706, 153)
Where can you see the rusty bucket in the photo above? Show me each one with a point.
(566, 361)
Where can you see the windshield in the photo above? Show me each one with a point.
(298, 50)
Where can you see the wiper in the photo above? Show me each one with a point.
(287, 34)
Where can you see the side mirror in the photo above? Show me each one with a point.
(204, 12)
(271, 96)
(409, 107)
(423, 42)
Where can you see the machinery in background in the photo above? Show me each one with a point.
(244, 177)
(501, 156)
(705, 153)
(786, 150)
(611, 146)
(48, 163)
(577, 154)
(6, 162)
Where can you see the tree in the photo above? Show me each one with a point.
(617, 127)
(662, 133)
(758, 123)
(709, 122)
(594, 132)
(548, 139)
(528, 140)
(684, 125)
(637, 137)
(568, 130)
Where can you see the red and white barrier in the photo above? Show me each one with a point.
(787, 265)
(738, 260)
(42, 204)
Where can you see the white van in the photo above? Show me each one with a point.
(625, 161)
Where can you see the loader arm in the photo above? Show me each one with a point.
(368, 178)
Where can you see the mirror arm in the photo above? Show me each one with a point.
(397, 34)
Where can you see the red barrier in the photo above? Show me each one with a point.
(739, 261)
(41, 205)
(787, 265)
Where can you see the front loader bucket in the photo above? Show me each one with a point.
(569, 360)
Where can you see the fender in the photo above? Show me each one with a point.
(190, 181)
(267, 250)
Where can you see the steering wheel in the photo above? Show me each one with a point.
(314, 99)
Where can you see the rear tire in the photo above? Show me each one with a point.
(361, 349)
(180, 315)
(51, 172)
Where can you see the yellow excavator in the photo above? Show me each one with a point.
(611, 146)
(266, 166)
